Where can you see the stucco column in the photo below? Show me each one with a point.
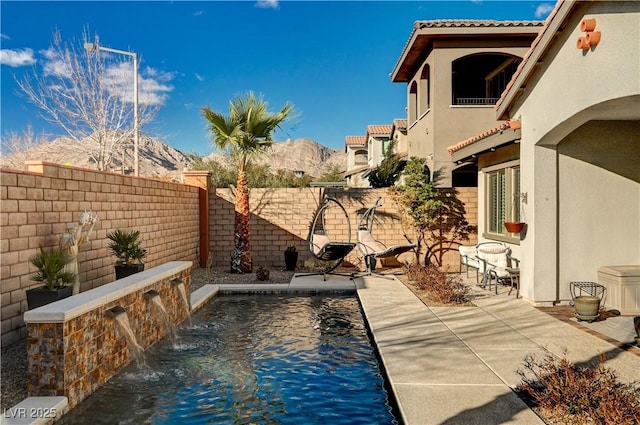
(539, 247)
(201, 179)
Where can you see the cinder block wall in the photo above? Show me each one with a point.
(38, 204)
(282, 217)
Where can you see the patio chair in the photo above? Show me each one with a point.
(373, 249)
(496, 262)
(322, 246)
(469, 258)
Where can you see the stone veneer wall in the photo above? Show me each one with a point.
(76, 356)
(37, 205)
(282, 217)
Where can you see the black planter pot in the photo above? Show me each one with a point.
(124, 271)
(290, 260)
(42, 295)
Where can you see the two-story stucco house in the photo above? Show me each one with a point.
(357, 161)
(566, 157)
(364, 153)
(455, 72)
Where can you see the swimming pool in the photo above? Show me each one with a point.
(253, 359)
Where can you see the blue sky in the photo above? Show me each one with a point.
(330, 59)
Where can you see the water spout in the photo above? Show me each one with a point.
(156, 302)
(119, 314)
(183, 293)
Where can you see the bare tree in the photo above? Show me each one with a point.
(89, 94)
(15, 146)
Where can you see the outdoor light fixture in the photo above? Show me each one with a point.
(90, 47)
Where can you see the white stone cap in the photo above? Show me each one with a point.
(621, 271)
(76, 305)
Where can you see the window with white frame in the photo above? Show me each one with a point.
(503, 198)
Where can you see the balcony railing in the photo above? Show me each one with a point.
(476, 101)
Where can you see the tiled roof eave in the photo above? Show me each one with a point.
(356, 170)
(422, 27)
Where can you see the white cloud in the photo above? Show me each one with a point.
(268, 4)
(153, 85)
(543, 10)
(5, 36)
(198, 13)
(15, 58)
(199, 77)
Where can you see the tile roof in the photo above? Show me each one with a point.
(472, 23)
(356, 170)
(379, 129)
(400, 123)
(449, 26)
(471, 140)
(355, 140)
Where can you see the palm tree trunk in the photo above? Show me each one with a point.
(241, 261)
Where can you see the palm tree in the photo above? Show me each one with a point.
(245, 133)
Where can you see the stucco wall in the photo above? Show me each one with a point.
(446, 124)
(578, 220)
(38, 204)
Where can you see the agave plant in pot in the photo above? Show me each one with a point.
(125, 246)
(54, 273)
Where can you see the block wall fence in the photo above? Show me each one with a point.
(283, 217)
(173, 219)
(37, 204)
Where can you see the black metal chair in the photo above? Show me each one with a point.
(322, 246)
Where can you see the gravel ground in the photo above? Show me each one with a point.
(13, 372)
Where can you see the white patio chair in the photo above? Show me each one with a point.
(494, 260)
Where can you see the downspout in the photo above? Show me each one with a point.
(557, 300)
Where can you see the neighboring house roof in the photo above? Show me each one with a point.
(424, 32)
(356, 170)
(355, 140)
(400, 124)
(471, 140)
(539, 47)
(378, 130)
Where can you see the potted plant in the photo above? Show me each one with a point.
(291, 258)
(514, 226)
(53, 272)
(126, 247)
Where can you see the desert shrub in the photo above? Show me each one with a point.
(262, 273)
(586, 395)
(440, 286)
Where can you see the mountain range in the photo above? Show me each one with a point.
(159, 159)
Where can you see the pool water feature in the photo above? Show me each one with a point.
(261, 359)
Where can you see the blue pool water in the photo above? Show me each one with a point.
(264, 359)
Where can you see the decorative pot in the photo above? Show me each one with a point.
(37, 297)
(124, 271)
(290, 260)
(513, 227)
(587, 308)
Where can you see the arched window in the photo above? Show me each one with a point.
(413, 103)
(480, 79)
(361, 157)
(425, 94)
